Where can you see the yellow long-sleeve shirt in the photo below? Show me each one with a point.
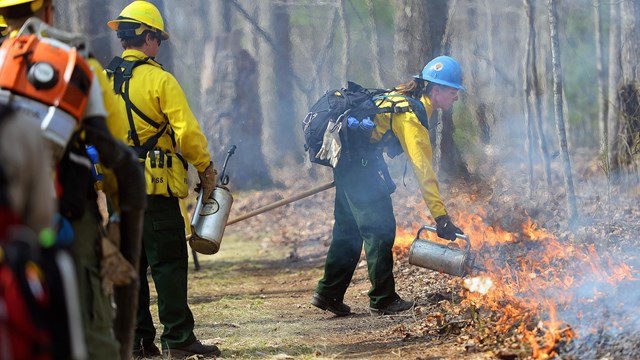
(159, 96)
(414, 138)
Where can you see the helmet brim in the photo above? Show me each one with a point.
(114, 24)
(439, 82)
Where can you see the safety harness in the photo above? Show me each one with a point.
(413, 106)
(122, 71)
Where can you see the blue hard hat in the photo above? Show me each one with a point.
(443, 70)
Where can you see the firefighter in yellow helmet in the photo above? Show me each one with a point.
(163, 131)
(18, 11)
(4, 28)
(77, 205)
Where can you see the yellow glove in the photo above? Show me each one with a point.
(331, 144)
(114, 268)
(208, 181)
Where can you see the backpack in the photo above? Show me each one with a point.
(48, 82)
(23, 294)
(337, 105)
(38, 297)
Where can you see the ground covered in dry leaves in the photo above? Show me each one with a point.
(555, 289)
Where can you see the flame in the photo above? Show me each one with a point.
(479, 284)
(530, 275)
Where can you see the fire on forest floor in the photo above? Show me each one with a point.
(546, 291)
(533, 290)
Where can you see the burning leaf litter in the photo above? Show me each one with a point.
(535, 287)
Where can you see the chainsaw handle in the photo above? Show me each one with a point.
(433, 229)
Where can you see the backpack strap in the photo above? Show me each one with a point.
(413, 106)
(122, 71)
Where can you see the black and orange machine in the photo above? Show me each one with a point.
(45, 78)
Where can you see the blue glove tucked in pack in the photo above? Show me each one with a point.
(352, 123)
(366, 124)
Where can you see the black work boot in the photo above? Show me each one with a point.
(337, 307)
(196, 348)
(147, 350)
(396, 306)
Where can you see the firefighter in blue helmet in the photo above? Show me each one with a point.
(363, 209)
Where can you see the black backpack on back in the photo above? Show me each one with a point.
(338, 104)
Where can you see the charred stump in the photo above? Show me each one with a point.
(235, 115)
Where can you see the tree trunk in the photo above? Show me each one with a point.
(529, 95)
(412, 46)
(558, 110)
(603, 104)
(282, 145)
(450, 162)
(165, 55)
(538, 95)
(481, 111)
(615, 75)
(346, 44)
(375, 47)
(230, 101)
(629, 89)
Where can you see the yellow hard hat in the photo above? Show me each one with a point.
(35, 4)
(4, 28)
(140, 12)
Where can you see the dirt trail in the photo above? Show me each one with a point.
(252, 300)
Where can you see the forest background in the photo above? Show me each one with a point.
(547, 132)
(251, 69)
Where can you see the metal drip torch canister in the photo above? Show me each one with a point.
(440, 257)
(210, 215)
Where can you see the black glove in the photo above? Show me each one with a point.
(446, 229)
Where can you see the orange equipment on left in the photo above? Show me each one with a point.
(48, 81)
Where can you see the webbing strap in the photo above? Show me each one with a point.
(122, 72)
(414, 106)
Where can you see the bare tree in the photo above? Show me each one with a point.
(558, 110)
(166, 56)
(628, 135)
(346, 44)
(411, 47)
(533, 99)
(614, 76)
(528, 91)
(480, 110)
(448, 156)
(230, 95)
(276, 88)
(603, 105)
(375, 47)
(537, 102)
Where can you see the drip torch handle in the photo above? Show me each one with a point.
(222, 180)
(433, 229)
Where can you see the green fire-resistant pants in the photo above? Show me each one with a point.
(363, 213)
(164, 249)
(97, 312)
